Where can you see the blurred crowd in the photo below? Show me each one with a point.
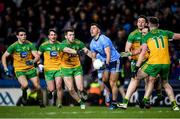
(117, 19)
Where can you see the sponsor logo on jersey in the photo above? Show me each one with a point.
(53, 53)
(23, 54)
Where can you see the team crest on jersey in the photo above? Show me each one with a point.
(53, 53)
(23, 54)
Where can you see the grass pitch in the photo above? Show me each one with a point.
(90, 112)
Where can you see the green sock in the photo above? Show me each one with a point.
(145, 100)
(173, 104)
(80, 102)
(125, 101)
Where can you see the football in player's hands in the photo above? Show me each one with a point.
(97, 64)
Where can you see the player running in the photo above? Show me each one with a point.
(51, 51)
(24, 56)
(71, 67)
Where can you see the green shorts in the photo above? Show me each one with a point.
(155, 69)
(133, 65)
(51, 74)
(71, 72)
(29, 73)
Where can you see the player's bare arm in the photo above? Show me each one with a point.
(88, 53)
(4, 57)
(36, 56)
(69, 50)
(142, 55)
(128, 54)
(108, 55)
(176, 36)
(39, 53)
(128, 48)
(136, 52)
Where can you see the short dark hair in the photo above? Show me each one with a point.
(95, 24)
(147, 28)
(153, 20)
(21, 29)
(144, 17)
(52, 30)
(68, 29)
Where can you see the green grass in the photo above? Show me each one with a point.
(90, 112)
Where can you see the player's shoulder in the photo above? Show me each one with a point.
(77, 41)
(148, 36)
(58, 42)
(64, 41)
(14, 44)
(164, 31)
(136, 31)
(103, 38)
(45, 43)
(29, 42)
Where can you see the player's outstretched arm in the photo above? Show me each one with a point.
(69, 50)
(125, 54)
(176, 36)
(89, 53)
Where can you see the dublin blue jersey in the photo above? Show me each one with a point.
(98, 56)
(99, 45)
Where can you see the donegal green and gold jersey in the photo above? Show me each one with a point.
(157, 41)
(21, 53)
(69, 60)
(135, 38)
(52, 55)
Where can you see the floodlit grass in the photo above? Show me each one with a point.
(90, 112)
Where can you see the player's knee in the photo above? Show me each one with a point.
(58, 87)
(24, 86)
(80, 88)
(165, 84)
(112, 82)
(37, 86)
(104, 79)
(151, 81)
(51, 89)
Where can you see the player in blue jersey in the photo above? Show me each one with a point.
(103, 45)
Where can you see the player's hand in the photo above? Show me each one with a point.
(8, 73)
(125, 54)
(105, 66)
(30, 62)
(134, 73)
(40, 67)
(80, 52)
